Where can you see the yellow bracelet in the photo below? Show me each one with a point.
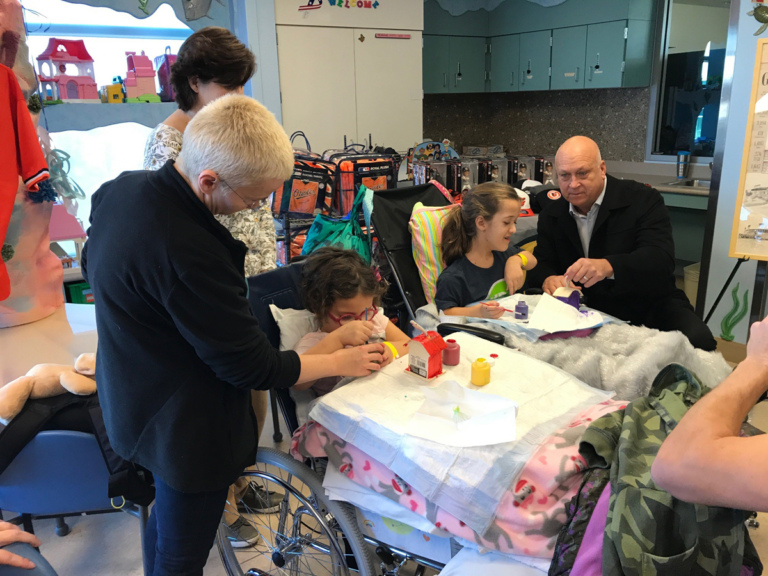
(391, 346)
(523, 259)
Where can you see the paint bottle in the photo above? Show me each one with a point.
(452, 354)
(521, 310)
(481, 372)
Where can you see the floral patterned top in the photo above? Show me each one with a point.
(255, 228)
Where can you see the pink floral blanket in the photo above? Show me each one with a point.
(531, 512)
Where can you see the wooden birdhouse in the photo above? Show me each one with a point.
(425, 354)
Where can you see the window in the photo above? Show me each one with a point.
(101, 154)
(692, 75)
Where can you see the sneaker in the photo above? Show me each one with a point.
(241, 534)
(259, 501)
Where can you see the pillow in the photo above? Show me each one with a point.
(293, 325)
(426, 226)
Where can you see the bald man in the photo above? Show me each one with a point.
(613, 239)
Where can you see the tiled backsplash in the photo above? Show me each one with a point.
(538, 122)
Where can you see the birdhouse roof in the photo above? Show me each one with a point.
(432, 341)
(59, 50)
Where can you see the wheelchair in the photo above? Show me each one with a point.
(309, 533)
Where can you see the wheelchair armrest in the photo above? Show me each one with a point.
(448, 328)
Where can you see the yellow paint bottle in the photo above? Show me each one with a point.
(481, 372)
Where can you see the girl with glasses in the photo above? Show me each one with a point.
(344, 295)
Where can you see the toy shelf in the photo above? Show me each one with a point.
(61, 117)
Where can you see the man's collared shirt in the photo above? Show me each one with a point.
(585, 223)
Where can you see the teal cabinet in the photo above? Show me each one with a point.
(453, 64)
(467, 72)
(569, 46)
(535, 53)
(605, 54)
(505, 63)
(436, 63)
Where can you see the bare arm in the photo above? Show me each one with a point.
(490, 309)
(397, 338)
(704, 460)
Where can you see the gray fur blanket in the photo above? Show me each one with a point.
(617, 357)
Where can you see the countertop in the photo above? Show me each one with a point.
(658, 181)
(57, 339)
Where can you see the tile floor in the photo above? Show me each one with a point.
(109, 544)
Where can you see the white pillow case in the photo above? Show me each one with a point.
(293, 325)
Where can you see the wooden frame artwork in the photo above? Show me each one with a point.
(749, 235)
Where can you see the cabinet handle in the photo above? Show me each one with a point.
(455, 80)
(445, 79)
(590, 73)
(578, 69)
(512, 78)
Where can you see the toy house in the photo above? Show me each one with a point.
(140, 79)
(425, 354)
(113, 93)
(66, 72)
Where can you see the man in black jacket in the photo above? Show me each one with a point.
(613, 239)
(179, 349)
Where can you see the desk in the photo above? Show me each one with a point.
(57, 339)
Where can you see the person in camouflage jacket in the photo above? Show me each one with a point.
(649, 532)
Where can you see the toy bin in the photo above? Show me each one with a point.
(78, 293)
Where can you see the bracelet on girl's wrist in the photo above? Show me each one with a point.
(523, 259)
(391, 346)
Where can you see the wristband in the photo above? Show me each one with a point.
(391, 346)
(523, 259)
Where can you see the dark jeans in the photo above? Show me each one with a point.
(181, 530)
(676, 313)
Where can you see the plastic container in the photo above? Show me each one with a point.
(452, 354)
(521, 310)
(691, 281)
(481, 372)
(683, 161)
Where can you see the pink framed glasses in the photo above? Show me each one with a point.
(366, 314)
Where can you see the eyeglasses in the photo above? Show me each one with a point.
(249, 205)
(366, 314)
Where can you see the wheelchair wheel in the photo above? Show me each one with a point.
(308, 535)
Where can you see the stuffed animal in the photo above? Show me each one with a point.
(46, 380)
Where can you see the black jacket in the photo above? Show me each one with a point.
(179, 349)
(632, 232)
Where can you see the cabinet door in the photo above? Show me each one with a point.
(388, 79)
(605, 54)
(535, 49)
(318, 94)
(569, 47)
(505, 63)
(467, 72)
(436, 57)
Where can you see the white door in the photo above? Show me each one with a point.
(317, 83)
(389, 91)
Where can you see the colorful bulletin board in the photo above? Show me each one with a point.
(749, 235)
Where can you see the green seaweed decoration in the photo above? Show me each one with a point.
(143, 6)
(735, 315)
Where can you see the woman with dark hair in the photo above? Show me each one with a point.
(211, 63)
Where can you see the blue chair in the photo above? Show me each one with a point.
(61, 473)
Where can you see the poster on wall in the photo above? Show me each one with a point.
(749, 235)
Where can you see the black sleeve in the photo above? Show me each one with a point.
(653, 256)
(449, 290)
(545, 253)
(210, 308)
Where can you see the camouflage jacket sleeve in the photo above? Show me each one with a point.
(647, 530)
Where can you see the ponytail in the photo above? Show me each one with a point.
(456, 241)
(459, 225)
